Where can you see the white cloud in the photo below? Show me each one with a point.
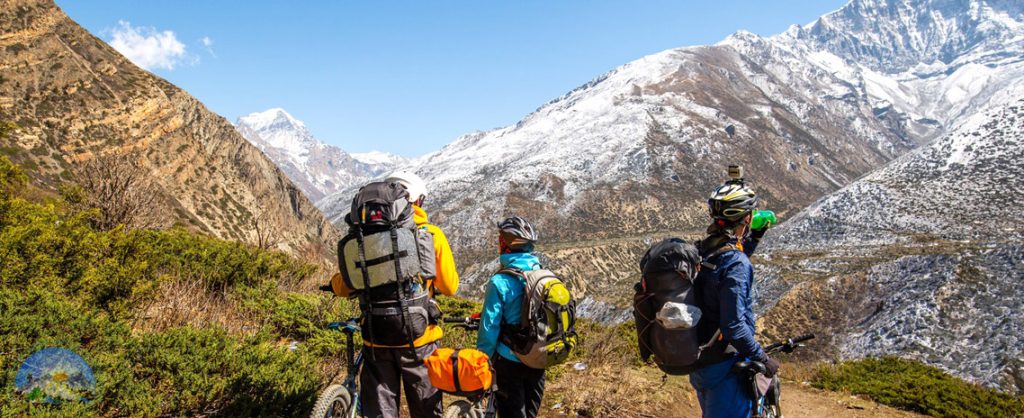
(148, 48)
(208, 43)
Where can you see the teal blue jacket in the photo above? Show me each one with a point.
(502, 304)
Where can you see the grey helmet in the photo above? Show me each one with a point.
(518, 233)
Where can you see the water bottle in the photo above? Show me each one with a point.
(762, 219)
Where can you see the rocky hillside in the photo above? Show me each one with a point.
(74, 99)
(922, 257)
(318, 169)
(632, 154)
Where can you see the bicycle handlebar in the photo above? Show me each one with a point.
(466, 320)
(788, 345)
(752, 367)
(469, 323)
(803, 338)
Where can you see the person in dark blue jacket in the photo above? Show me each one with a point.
(725, 285)
(520, 388)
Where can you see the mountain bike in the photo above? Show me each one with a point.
(480, 406)
(767, 404)
(342, 401)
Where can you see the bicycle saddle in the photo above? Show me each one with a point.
(750, 366)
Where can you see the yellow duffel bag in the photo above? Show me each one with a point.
(465, 372)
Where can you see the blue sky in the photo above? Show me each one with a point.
(409, 77)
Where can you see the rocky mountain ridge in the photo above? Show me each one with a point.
(74, 99)
(317, 168)
(921, 257)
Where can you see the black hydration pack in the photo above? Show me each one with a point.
(388, 261)
(667, 309)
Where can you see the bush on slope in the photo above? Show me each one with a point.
(65, 284)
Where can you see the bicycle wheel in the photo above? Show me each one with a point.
(461, 409)
(334, 402)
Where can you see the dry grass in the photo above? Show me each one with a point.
(614, 383)
(620, 391)
(187, 302)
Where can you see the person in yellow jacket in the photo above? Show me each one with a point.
(389, 368)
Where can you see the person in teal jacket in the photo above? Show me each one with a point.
(520, 388)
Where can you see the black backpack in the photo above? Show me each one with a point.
(388, 261)
(667, 309)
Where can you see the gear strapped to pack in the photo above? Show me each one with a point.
(463, 372)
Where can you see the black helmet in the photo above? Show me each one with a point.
(731, 202)
(517, 233)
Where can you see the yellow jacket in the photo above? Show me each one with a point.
(446, 282)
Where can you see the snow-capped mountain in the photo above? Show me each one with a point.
(633, 152)
(381, 159)
(924, 257)
(938, 60)
(316, 168)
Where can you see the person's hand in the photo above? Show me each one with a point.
(758, 233)
(771, 367)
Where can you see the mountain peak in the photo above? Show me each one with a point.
(270, 118)
(380, 158)
(319, 169)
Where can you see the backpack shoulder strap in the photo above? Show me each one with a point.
(524, 311)
(706, 261)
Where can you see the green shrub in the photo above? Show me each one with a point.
(916, 387)
(200, 370)
(65, 284)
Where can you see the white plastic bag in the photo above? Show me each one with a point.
(675, 315)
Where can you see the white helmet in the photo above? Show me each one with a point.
(414, 184)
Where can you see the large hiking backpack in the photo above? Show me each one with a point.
(546, 334)
(667, 310)
(387, 260)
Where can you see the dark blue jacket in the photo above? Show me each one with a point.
(727, 299)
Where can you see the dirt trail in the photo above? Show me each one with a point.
(798, 401)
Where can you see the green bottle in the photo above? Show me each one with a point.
(762, 219)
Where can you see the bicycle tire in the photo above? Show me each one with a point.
(461, 409)
(334, 402)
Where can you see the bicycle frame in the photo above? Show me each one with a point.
(353, 359)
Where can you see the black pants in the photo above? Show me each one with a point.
(387, 371)
(520, 389)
